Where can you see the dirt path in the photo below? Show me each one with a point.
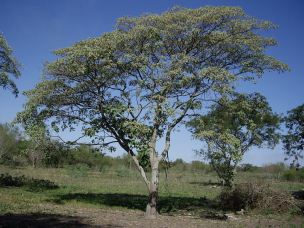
(135, 219)
(110, 218)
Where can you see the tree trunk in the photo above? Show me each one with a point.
(151, 209)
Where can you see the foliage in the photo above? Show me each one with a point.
(155, 61)
(277, 168)
(258, 196)
(200, 166)
(133, 86)
(96, 192)
(144, 159)
(41, 150)
(233, 126)
(178, 164)
(246, 167)
(293, 141)
(88, 156)
(10, 138)
(30, 183)
(293, 175)
(56, 154)
(8, 67)
(77, 170)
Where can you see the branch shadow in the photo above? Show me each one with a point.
(45, 221)
(166, 204)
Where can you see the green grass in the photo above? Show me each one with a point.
(183, 192)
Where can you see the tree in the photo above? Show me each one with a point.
(231, 128)
(8, 66)
(136, 84)
(9, 142)
(293, 141)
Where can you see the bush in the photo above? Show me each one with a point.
(179, 164)
(293, 175)
(89, 157)
(247, 168)
(78, 170)
(56, 155)
(274, 168)
(23, 181)
(200, 166)
(9, 143)
(257, 196)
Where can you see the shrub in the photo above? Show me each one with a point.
(30, 183)
(179, 164)
(247, 168)
(200, 166)
(293, 175)
(90, 157)
(257, 196)
(78, 170)
(275, 168)
(9, 143)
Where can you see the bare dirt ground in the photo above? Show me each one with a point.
(108, 218)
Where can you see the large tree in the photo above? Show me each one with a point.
(293, 141)
(8, 66)
(136, 84)
(233, 126)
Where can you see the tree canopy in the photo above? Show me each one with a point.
(9, 139)
(232, 127)
(8, 67)
(293, 141)
(134, 85)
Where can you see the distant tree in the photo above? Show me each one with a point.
(9, 141)
(8, 66)
(135, 85)
(231, 128)
(293, 141)
(38, 144)
(247, 167)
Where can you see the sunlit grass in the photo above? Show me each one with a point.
(120, 188)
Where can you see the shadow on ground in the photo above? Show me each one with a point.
(166, 204)
(206, 183)
(45, 221)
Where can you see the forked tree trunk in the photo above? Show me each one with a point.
(151, 209)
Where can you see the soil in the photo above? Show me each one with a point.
(109, 218)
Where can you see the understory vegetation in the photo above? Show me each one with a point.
(189, 189)
(64, 179)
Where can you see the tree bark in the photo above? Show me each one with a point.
(151, 209)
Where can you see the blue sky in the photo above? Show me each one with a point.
(35, 28)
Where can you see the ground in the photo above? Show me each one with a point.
(117, 198)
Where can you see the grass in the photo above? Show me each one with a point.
(183, 193)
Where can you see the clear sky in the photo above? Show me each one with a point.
(34, 28)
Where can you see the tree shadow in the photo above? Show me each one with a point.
(45, 221)
(298, 194)
(206, 183)
(166, 204)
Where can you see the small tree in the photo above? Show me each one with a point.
(8, 66)
(293, 141)
(37, 144)
(135, 85)
(231, 128)
(9, 142)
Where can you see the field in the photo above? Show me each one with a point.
(117, 198)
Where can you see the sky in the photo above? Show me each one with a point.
(35, 28)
